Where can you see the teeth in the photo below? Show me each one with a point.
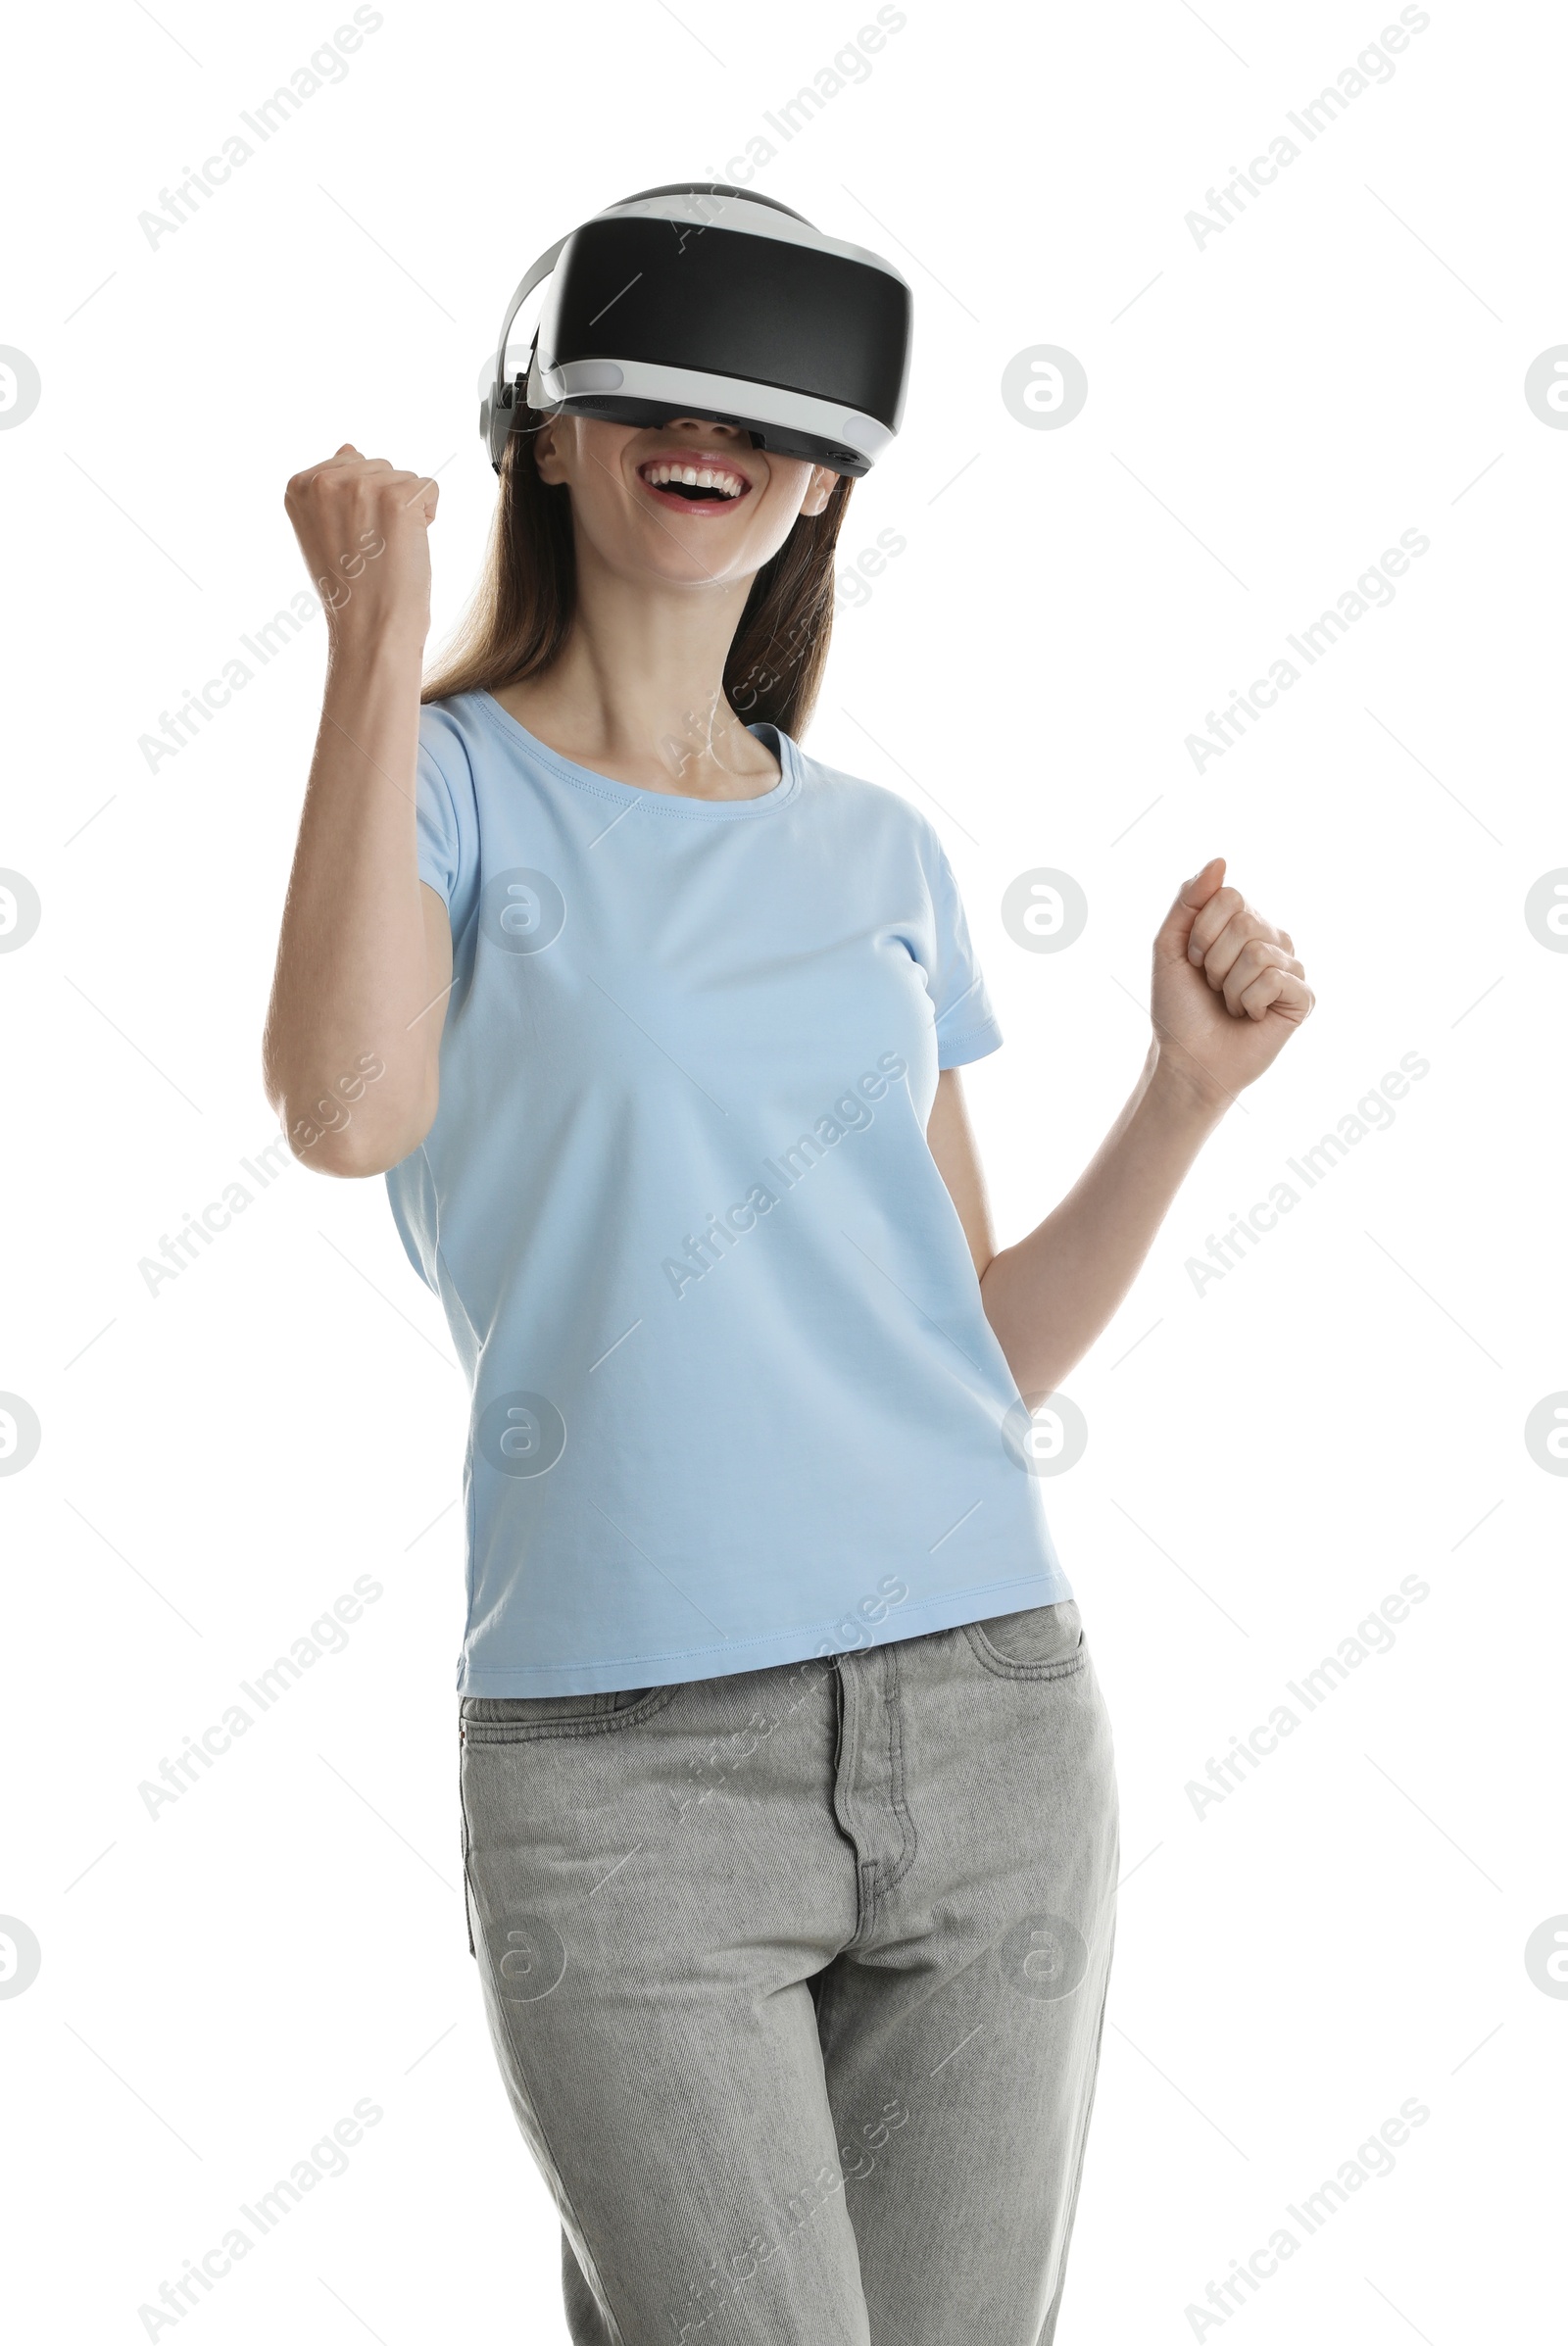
(724, 484)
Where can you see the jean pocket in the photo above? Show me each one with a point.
(1042, 1641)
(527, 1718)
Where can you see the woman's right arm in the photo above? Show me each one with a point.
(351, 1053)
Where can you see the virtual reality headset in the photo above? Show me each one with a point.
(704, 300)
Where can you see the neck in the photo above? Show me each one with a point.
(638, 692)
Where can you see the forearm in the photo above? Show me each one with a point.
(352, 966)
(1049, 1296)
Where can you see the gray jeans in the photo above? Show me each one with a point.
(797, 1980)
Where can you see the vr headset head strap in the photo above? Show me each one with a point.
(497, 411)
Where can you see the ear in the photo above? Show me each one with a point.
(548, 452)
(819, 489)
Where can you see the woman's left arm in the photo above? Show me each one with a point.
(1227, 991)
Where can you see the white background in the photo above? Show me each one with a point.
(220, 1461)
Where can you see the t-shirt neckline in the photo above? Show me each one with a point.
(655, 802)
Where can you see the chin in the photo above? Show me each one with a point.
(688, 556)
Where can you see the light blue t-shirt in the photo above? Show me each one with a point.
(736, 1400)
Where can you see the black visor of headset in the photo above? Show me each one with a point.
(703, 299)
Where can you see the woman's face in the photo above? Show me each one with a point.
(631, 501)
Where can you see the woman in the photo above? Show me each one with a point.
(789, 1814)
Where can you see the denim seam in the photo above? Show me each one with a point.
(1000, 1665)
(846, 1772)
(463, 1811)
(896, 1782)
(506, 1730)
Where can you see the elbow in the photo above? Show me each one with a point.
(1039, 1351)
(357, 1146)
(349, 1157)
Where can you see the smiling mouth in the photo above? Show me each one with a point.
(699, 485)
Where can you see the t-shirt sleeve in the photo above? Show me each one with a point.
(965, 1023)
(446, 820)
(439, 843)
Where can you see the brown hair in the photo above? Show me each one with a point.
(521, 613)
